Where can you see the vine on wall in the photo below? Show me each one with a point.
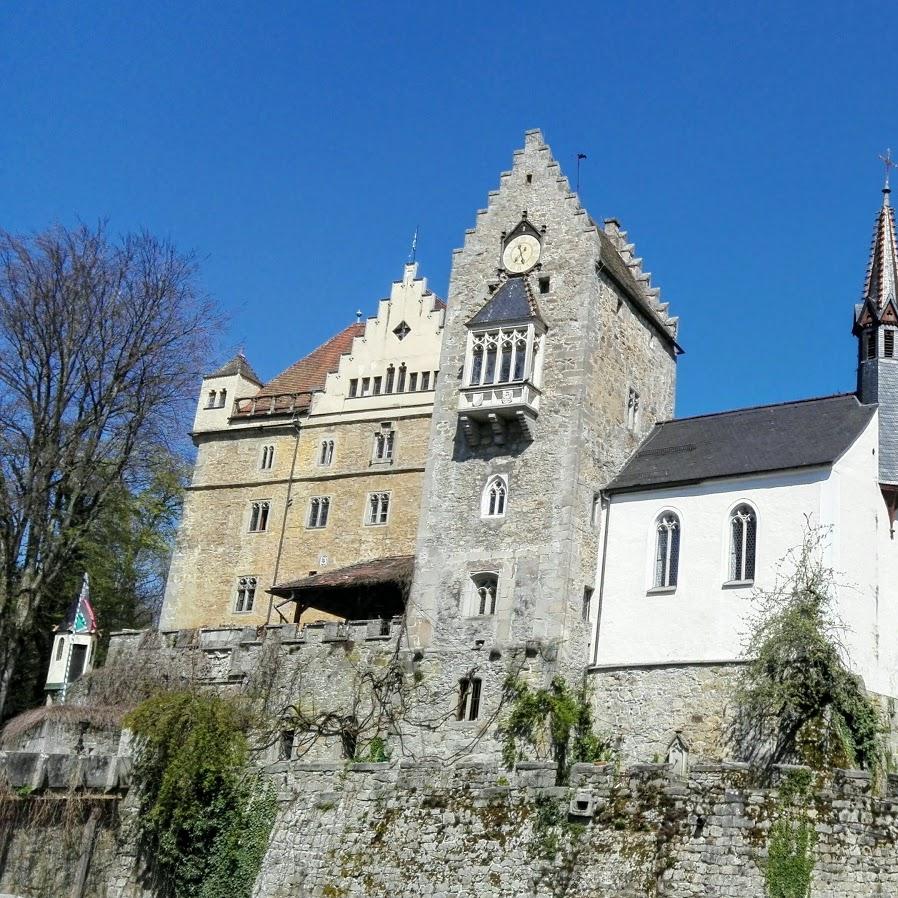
(790, 845)
(205, 817)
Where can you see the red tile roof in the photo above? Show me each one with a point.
(397, 568)
(310, 373)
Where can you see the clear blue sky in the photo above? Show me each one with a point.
(295, 147)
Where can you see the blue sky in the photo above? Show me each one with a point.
(295, 147)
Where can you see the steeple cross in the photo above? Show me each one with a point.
(889, 164)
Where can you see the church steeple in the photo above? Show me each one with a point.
(875, 325)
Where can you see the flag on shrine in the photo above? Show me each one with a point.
(81, 617)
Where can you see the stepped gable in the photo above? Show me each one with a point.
(619, 259)
(513, 301)
(238, 365)
(309, 373)
(805, 434)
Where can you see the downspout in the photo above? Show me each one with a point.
(277, 561)
(606, 518)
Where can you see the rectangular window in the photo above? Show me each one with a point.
(353, 388)
(543, 285)
(871, 344)
(60, 642)
(632, 409)
(469, 698)
(319, 506)
(889, 340)
(400, 381)
(412, 383)
(378, 383)
(587, 602)
(391, 373)
(596, 509)
(378, 509)
(246, 595)
(384, 440)
(258, 517)
(425, 380)
(366, 386)
(287, 737)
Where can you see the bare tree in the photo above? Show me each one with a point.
(100, 344)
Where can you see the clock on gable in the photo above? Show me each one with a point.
(521, 249)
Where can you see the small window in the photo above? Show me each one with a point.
(485, 589)
(267, 457)
(544, 285)
(60, 644)
(495, 494)
(222, 396)
(287, 738)
(889, 343)
(412, 383)
(210, 403)
(871, 344)
(425, 380)
(435, 373)
(326, 453)
(632, 409)
(596, 511)
(366, 386)
(667, 550)
(318, 510)
(400, 381)
(587, 602)
(391, 376)
(469, 698)
(258, 518)
(402, 330)
(378, 383)
(743, 542)
(378, 509)
(529, 178)
(246, 595)
(353, 388)
(384, 441)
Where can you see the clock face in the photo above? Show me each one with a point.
(521, 254)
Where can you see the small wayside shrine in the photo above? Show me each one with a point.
(74, 646)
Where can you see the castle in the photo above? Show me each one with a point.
(504, 473)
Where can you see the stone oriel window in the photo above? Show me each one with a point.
(501, 356)
(246, 594)
(319, 506)
(469, 690)
(377, 509)
(485, 587)
(495, 494)
(267, 458)
(326, 453)
(667, 550)
(384, 443)
(258, 516)
(743, 542)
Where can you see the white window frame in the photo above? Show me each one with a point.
(383, 448)
(381, 516)
(325, 456)
(246, 589)
(671, 521)
(738, 566)
(319, 508)
(267, 459)
(518, 344)
(494, 482)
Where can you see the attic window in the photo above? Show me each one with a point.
(402, 330)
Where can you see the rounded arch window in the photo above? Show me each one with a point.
(667, 550)
(743, 538)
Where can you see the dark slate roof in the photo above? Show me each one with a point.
(810, 433)
(513, 301)
(238, 365)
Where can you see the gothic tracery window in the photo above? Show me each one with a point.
(384, 441)
(246, 594)
(495, 495)
(378, 509)
(667, 550)
(498, 357)
(485, 587)
(258, 518)
(743, 541)
(326, 453)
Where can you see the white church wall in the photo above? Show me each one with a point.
(702, 620)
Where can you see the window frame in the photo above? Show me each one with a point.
(247, 584)
(489, 602)
(671, 520)
(317, 504)
(384, 496)
(470, 693)
(749, 546)
(260, 513)
(267, 458)
(485, 497)
(383, 447)
(325, 455)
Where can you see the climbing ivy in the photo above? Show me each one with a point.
(556, 721)
(790, 845)
(204, 819)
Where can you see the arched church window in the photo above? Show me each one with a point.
(743, 540)
(667, 550)
(495, 495)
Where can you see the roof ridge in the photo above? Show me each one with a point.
(751, 408)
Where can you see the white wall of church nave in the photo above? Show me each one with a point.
(701, 620)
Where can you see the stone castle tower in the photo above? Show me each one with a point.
(558, 357)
